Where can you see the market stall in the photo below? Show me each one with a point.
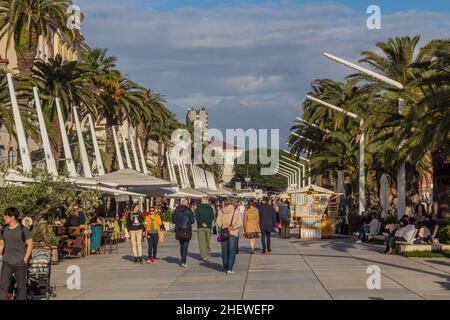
(309, 211)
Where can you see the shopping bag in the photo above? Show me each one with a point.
(162, 236)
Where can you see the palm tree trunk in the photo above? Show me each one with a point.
(412, 184)
(441, 182)
(110, 147)
(25, 60)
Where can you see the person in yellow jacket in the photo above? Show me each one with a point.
(153, 223)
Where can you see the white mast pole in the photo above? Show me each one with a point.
(65, 140)
(141, 153)
(127, 153)
(118, 153)
(84, 157)
(98, 157)
(22, 141)
(49, 159)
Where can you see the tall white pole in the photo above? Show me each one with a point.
(65, 140)
(84, 157)
(22, 141)
(183, 165)
(49, 159)
(194, 176)
(171, 168)
(401, 176)
(118, 152)
(133, 149)
(141, 153)
(98, 156)
(127, 153)
(362, 175)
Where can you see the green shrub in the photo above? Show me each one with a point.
(443, 233)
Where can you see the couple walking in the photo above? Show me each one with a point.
(228, 219)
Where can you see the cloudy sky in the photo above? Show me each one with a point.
(249, 63)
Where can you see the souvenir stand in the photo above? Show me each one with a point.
(308, 208)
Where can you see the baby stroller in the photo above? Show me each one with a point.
(39, 273)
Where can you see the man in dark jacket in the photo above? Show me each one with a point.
(285, 218)
(183, 218)
(267, 223)
(205, 217)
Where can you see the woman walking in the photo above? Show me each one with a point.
(229, 220)
(153, 224)
(135, 227)
(251, 224)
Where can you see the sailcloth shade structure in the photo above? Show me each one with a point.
(136, 181)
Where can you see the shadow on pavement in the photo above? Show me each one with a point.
(172, 260)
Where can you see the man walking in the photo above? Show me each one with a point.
(205, 217)
(183, 218)
(267, 223)
(285, 218)
(16, 246)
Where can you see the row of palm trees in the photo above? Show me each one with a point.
(93, 82)
(419, 134)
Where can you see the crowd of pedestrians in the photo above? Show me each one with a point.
(227, 220)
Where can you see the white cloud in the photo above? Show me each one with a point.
(248, 63)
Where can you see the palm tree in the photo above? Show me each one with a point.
(66, 80)
(397, 61)
(121, 101)
(25, 20)
(431, 119)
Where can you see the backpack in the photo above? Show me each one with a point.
(22, 232)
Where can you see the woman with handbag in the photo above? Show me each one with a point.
(183, 219)
(229, 220)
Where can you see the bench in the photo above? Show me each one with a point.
(422, 247)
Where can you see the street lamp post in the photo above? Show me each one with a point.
(401, 179)
(362, 178)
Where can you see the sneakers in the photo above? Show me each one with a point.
(154, 260)
(183, 265)
(358, 241)
(230, 272)
(149, 260)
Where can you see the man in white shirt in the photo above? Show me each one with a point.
(403, 234)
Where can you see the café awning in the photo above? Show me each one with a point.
(135, 181)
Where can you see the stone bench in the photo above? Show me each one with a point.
(422, 247)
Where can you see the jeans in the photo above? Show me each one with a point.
(285, 228)
(229, 249)
(204, 237)
(152, 245)
(265, 239)
(184, 245)
(362, 233)
(20, 273)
